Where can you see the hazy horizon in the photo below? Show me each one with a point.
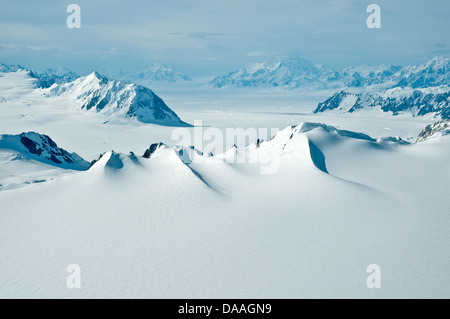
(204, 38)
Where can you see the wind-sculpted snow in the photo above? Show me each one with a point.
(179, 222)
(116, 98)
(292, 143)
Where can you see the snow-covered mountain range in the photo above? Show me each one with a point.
(295, 73)
(154, 73)
(159, 73)
(364, 75)
(435, 72)
(419, 102)
(418, 90)
(285, 74)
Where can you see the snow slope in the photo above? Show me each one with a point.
(182, 224)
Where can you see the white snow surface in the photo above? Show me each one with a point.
(181, 224)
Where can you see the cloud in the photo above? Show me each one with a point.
(204, 35)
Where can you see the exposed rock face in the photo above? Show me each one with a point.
(117, 98)
(419, 102)
(441, 127)
(42, 148)
(152, 149)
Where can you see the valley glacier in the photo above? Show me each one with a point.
(352, 189)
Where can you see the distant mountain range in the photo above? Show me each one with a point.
(154, 73)
(419, 90)
(293, 73)
(285, 74)
(419, 102)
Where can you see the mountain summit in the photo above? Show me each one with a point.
(116, 98)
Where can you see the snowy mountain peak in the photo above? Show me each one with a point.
(95, 77)
(42, 148)
(116, 99)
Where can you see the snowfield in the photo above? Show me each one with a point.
(350, 190)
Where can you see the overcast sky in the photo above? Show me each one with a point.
(206, 37)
